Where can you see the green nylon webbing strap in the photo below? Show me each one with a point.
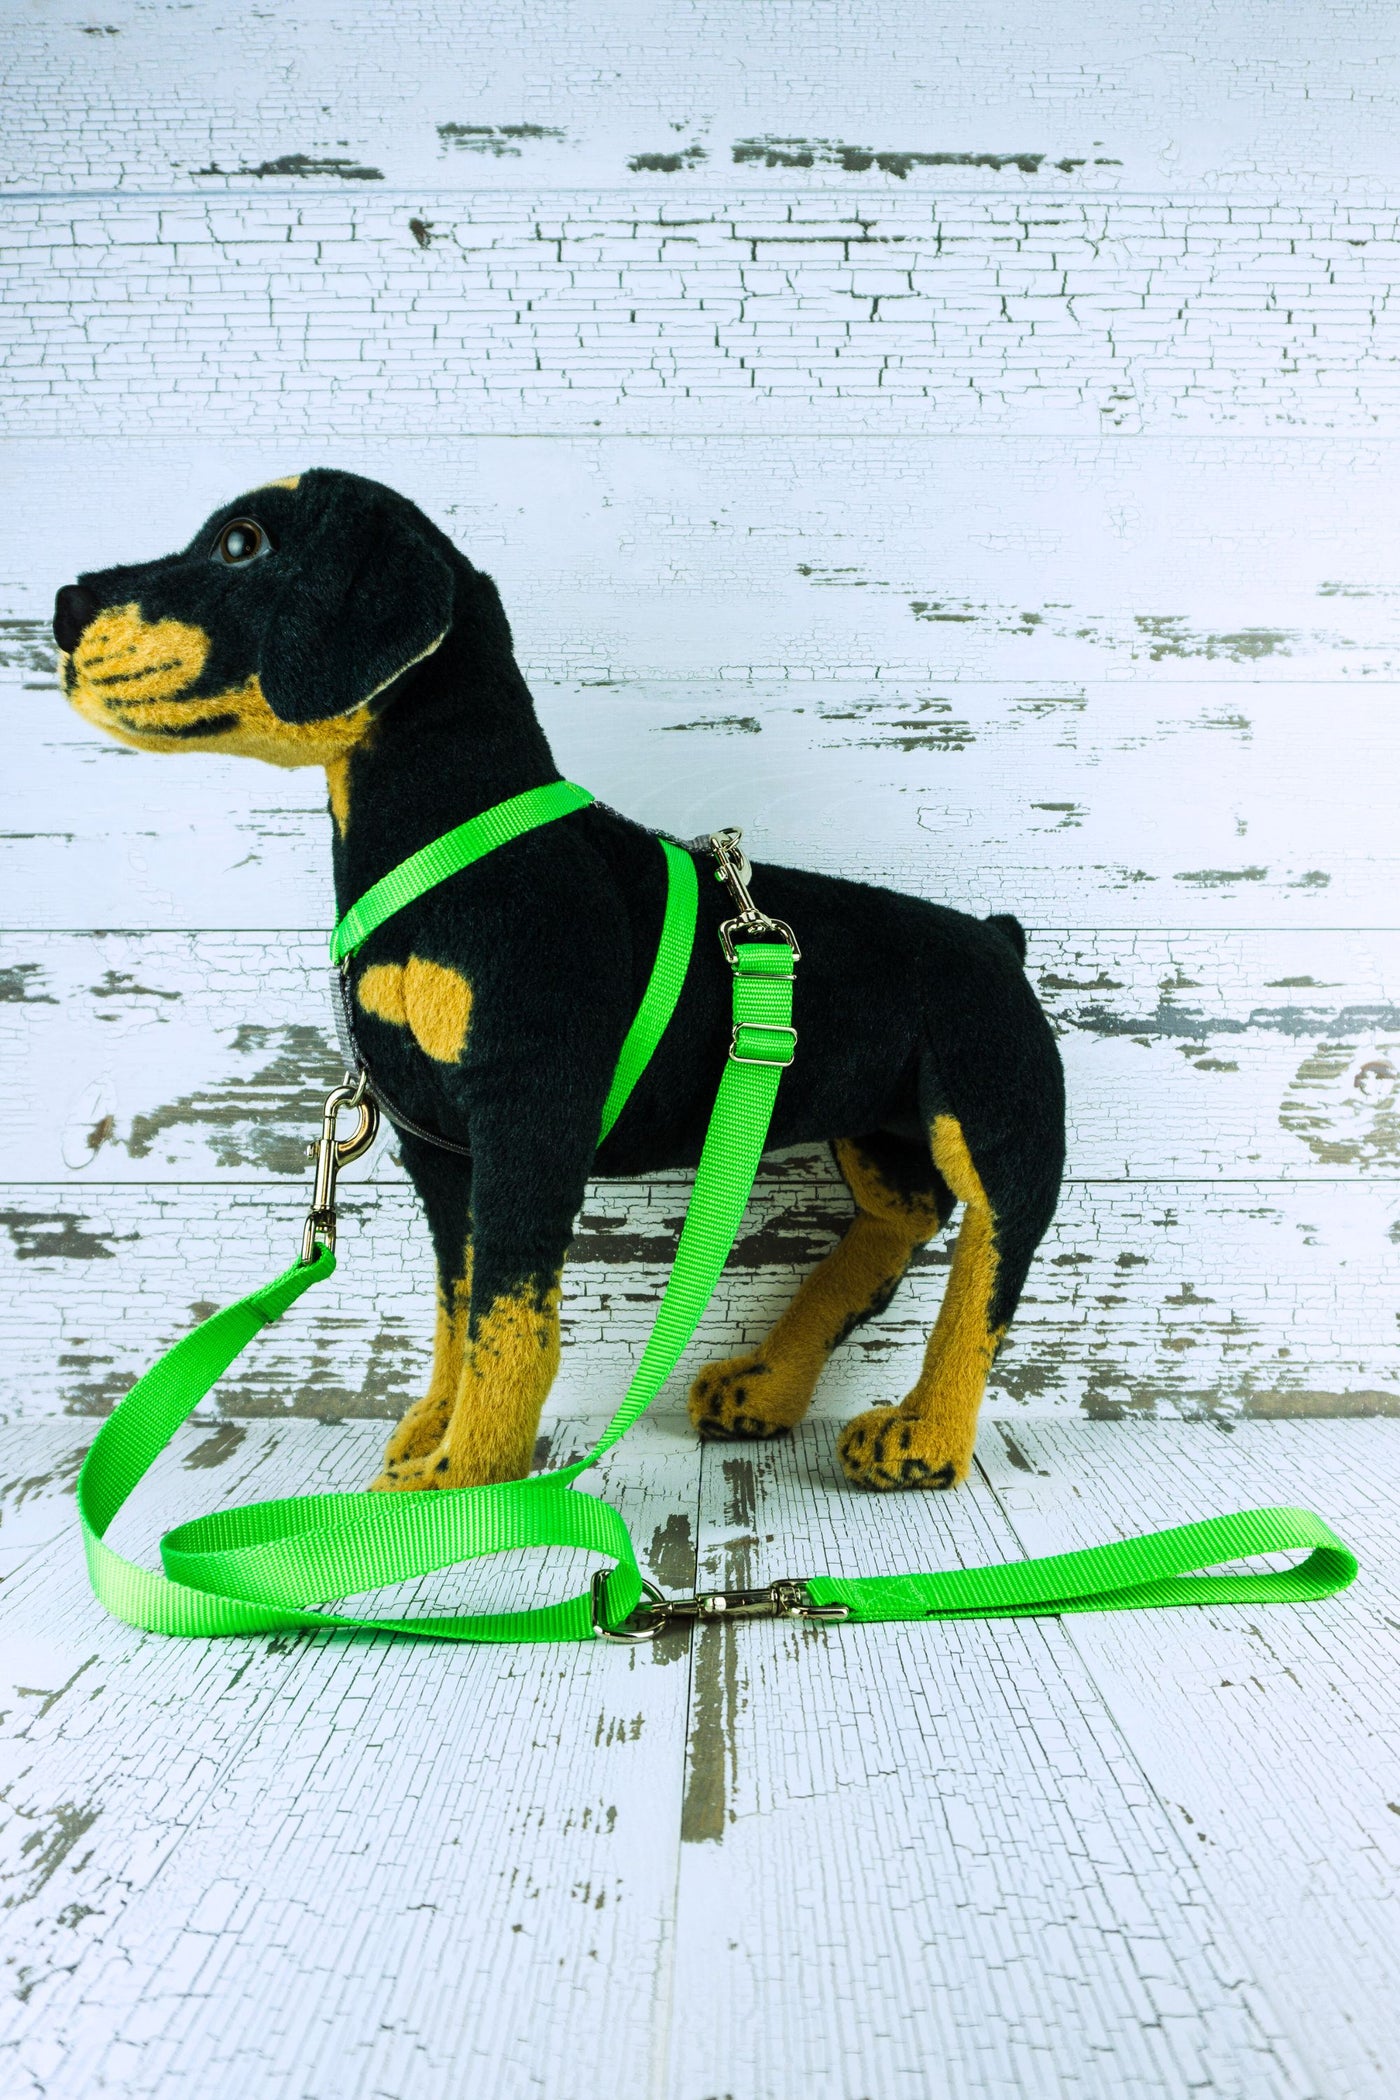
(1127, 1576)
(277, 1565)
(447, 856)
(665, 984)
(451, 853)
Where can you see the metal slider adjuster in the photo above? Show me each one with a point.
(331, 1153)
(763, 1028)
(787, 1599)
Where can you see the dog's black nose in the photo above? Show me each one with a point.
(73, 610)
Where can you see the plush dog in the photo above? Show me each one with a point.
(323, 620)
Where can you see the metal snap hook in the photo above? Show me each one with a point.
(331, 1153)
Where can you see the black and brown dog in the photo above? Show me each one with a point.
(323, 620)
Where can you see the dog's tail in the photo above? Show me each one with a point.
(1011, 930)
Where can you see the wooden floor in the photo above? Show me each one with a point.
(960, 447)
(1143, 1854)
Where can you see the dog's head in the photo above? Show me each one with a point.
(279, 632)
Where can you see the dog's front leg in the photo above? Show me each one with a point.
(498, 1317)
(443, 1182)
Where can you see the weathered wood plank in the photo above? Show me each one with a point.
(332, 96)
(921, 1859)
(1269, 1736)
(1025, 307)
(290, 1863)
(39, 1463)
(1186, 1298)
(1126, 804)
(802, 556)
(204, 1057)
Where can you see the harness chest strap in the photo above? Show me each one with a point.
(274, 1565)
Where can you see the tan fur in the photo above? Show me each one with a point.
(914, 1209)
(288, 481)
(438, 1003)
(425, 1424)
(927, 1440)
(507, 1369)
(123, 660)
(771, 1388)
(431, 1000)
(338, 787)
(380, 992)
(132, 677)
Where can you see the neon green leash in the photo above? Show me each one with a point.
(276, 1565)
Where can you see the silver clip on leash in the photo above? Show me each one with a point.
(331, 1153)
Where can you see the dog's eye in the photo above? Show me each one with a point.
(241, 541)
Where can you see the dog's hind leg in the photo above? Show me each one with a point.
(1008, 1178)
(901, 1201)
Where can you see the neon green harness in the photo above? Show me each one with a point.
(274, 1565)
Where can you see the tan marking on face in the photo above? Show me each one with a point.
(288, 481)
(132, 678)
(380, 992)
(123, 660)
(432, 1001)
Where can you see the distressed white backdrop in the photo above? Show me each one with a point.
(963, 452)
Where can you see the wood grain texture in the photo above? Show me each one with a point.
(1187, 1054)
(961, 450)
(945, 1872)
(39, 1463)
(434, 313)
(1269, 1737)
(872, 558)
(193, 96)
(192, 1899)
(1041, 797)
(1186, 1298)
(303, 1862)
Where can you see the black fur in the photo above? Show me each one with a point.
(905, 1009)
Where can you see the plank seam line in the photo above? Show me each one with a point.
(1382, 198)
(818, 434)
(293, 1193)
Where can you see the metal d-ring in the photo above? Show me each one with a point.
(651, 1597)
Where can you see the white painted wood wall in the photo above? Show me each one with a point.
(970, 464)
(962, 452)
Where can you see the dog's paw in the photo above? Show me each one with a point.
(421, 1431)
(410, 1475)
(744, 1397)
(889, 1449)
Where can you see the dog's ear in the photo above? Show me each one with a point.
(367, 594)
